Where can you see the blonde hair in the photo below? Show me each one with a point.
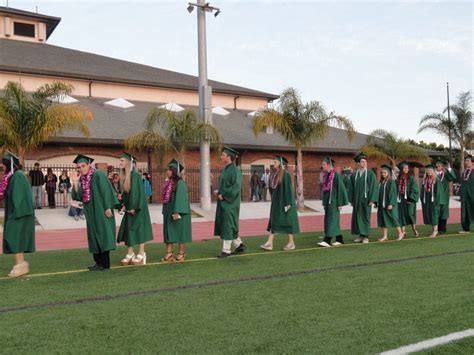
(280, 173)
(126, 177)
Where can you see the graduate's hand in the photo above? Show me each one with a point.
(216, 192)
(175, 216)
(390, 207)
(340, 208)
(108, 213)
(74, 176)
(119, 197)
(220, 197)
(372, 204)
(132, 212)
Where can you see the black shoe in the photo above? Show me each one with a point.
(240, 249)
(94, 267)
(101, 268)
(40, 208)
(224, 255)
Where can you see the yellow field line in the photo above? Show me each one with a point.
(235, 256)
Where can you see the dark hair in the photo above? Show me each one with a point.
(37, 164)
(174, 177)
(7, 164)
(50, 170)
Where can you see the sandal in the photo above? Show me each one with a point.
(417, 235)
(383, 239)
(180, 257)
(169, 258)
(140, 259)
(401, 237)
(127, 260)
(266, 246)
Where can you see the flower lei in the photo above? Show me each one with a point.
(428, 184)
(467, 174)
(86, 185)
(402, 184)
(4, 184)
(167, 190)
(328, 179)
(274, 182)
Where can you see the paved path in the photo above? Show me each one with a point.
(74, 238)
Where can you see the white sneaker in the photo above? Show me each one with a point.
(335, 244)
(464, 232)
(289, 247)
(358, 240)
(365, 240)
(324, 244)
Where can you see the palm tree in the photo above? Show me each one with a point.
(28, 120)
(386, 145)
(460, 124)
(169, 132)
(300, 124)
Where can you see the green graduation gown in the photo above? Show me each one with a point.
(19, 224)
(100, 229)
(407, 202)
(387, 196)
(346, 178)
(363, 190)
(281, 221)
(467, 198)
(135, 229)
(332, 200)
(226, 224)
(178, 231)
(445, 178)
(431, 203)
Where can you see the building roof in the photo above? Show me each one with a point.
(44, 59)
(111, 126)
(51, 21)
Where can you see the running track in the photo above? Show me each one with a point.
(77, 238)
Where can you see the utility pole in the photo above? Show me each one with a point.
(449, 131)
(205, 98)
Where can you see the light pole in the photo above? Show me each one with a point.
(205, 98)
(449, 127)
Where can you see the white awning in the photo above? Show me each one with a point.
(63, 99)
(172, 107)
(220, 111)
(119, 103)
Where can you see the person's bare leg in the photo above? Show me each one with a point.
(181, 252)
(19, 258)
(415, 232)
(384, 235)
(401, 233)
(141, 249)
(291, 239)
(268, 245)
(435, 232)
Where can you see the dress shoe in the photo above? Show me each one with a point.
(224, 255)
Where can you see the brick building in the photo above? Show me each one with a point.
(121, 93)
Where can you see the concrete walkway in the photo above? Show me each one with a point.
(59, 231)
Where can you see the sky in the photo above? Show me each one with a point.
(383, 64)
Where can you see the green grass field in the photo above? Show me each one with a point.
(354, 299)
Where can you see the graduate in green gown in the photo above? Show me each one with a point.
(135, 228)
(346, 178)
(432, 197)
(334, 198)
(445, 174)
(387, 205)
(19, 220)
(467, 196)
(408, 196)
(226, 224)
(363, 193)
(176, 212)
(95, 192)
(283, 213)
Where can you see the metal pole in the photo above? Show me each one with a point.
(205, 112)
(449, 132)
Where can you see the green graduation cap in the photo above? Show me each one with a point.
(176, 165)
(230, 152)
(281, 159)
(83, 159)
(128, 156)
(402, 164)
(429, 166)
(439, 161)
(387, 168)
(359, 157)
(9, 156)
(329, 160)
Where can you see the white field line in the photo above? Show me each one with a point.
(430, 343)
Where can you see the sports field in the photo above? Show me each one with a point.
(353, 299)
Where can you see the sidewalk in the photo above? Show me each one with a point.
(56, 230)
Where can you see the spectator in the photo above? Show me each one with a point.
(37, 181)
(116, 184)
(110, 173)
(50, 181)
(147, 186)
(255, 186)
(76, 212)
(64, 186)
(265, 181)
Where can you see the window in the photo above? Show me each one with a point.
(24, 29)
